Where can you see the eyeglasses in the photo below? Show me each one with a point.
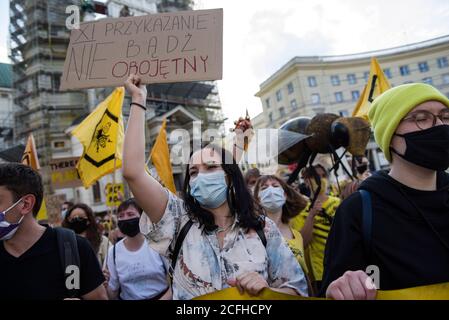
(426, 119)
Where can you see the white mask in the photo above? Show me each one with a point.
(272, 198)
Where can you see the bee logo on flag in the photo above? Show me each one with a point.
(102, 146)
(101, 138)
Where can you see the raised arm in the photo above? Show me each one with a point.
(148, 192)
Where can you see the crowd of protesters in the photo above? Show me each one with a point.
(250, 231)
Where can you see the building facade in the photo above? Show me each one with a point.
(305, 86)
(39, 42)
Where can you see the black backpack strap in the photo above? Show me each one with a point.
(178, 244)
(113, 253)
(367, 220)
(262, 237)
(69, 255)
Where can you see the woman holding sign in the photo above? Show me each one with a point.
(214, 238)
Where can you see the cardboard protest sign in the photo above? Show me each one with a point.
(160, 48)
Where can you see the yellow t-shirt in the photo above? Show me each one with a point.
(315, 252)
(297, 247)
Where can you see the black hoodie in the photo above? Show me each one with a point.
(404, 247)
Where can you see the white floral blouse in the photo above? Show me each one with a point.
(203, 268)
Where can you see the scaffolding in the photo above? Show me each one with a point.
(39, 40)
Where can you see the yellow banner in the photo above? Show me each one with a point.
(431, 292)
(234, 294)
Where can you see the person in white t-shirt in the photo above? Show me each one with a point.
(134, 271)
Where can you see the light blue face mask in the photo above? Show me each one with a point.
(209, 189)
(272, 198)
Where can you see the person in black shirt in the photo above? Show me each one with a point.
(408, 239)
(30, 263)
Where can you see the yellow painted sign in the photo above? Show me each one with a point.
(64, 174)
(112, 194)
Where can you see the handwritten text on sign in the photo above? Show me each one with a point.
(160, 48)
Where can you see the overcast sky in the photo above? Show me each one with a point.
(262, 35)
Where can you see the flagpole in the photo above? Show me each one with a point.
(114, 208)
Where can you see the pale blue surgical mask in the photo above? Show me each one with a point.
(7, 230)
(209, 189)
(272, 198)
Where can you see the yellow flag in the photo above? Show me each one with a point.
(377, 84)
(101, 135)
(30, 159)
(160, 157)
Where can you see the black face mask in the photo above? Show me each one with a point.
(427, 148)
(129, 227)
(362, 168)
(79, 225)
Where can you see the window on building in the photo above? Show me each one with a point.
(270, 117)
(294, 104)
(278, 95)
(335, 80)
(290, 88)
(282, 112)
(442, 62)
(352, 79)
(312, 81)
(446, 78)
(428, 80)
(59, 144)
(366, 75)
(57, 81)
(267, 102)
(5, 95)
(423, 66)
(404, 70)
(316, 98)
(343, 113)
(96, 192)
(355, 95)
(339, 96)
(387, 72)
(318, 110)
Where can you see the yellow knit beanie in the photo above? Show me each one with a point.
(392, 106)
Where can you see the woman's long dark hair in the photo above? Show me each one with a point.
(294, 203)
(239, 199)
(92, 233)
